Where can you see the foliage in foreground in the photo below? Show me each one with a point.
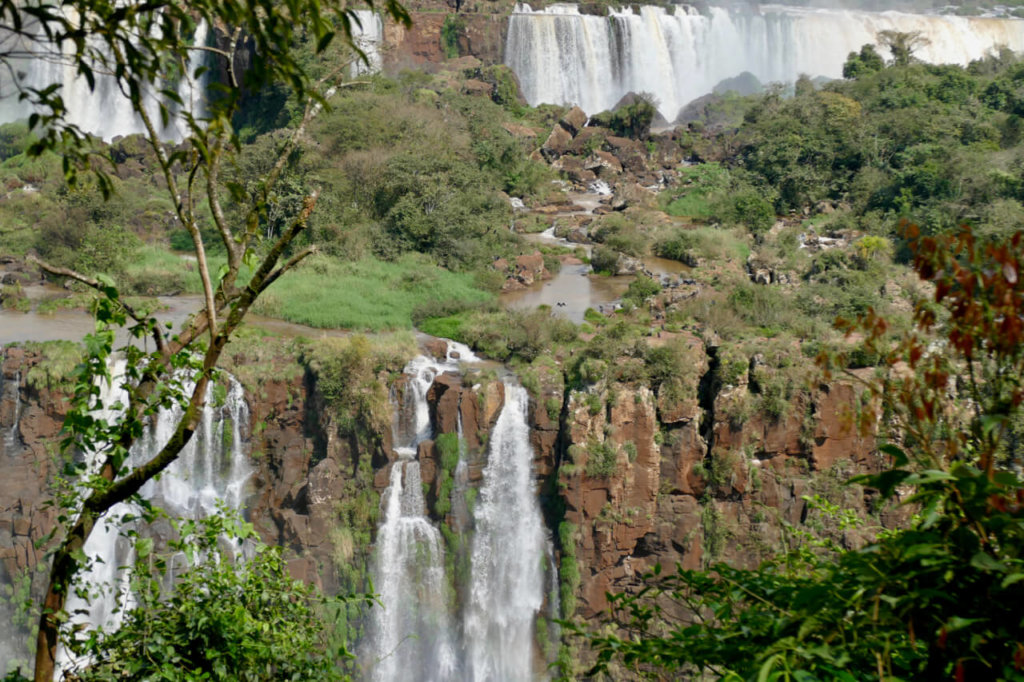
(244, 620)
(938, 600)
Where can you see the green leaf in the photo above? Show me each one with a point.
(143, 547)
(899, 458)
(985, 562)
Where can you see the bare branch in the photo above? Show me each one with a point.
(213, 199)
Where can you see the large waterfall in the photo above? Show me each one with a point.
(416, 633)
(103, 110)
(212, 469)
(564, 57)
(507, 583)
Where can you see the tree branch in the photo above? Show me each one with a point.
(158, 337)
(292, 262)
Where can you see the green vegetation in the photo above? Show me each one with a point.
(602, 459)
(369, 294)
(223, 621)
(935, 600)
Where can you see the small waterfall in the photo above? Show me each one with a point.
(103, 110)
(507, 586)
(368, 36)
(212, 467)
(564, 57)
(11, 435)
(412, 635)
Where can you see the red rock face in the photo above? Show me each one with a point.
(30, 421)
(670, 497)
(687, 501)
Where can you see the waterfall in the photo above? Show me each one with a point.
(506, 589)
(103, 110)
(368, 36)
(212, 467)
(11, 434)
(564, 57)
(412, 638)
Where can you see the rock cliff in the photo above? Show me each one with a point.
(630, 475)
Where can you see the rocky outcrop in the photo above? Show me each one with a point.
(674, 476)
(684, 472)
(525, 271)
(31, 416)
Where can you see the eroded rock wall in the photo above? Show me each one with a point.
(640, 475)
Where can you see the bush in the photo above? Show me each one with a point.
(642, 288)
(751, 209)
(602, 459)
(604, 261)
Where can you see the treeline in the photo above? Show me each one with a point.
(938, 145)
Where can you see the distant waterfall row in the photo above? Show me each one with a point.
(106, 112)
(414, 635)
(564, 57)
(103, 110)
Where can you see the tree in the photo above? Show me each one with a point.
(937, 600)
(901, 44)
(865, 62)
(142, 46)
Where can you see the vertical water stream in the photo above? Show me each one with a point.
(507, 584)
(416, 632)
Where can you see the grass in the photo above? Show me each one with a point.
(365, 295)
(445, 327)
(711, 243)
(693, 205)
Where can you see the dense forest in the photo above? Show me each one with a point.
(868, 227)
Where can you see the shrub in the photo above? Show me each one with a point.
(602, 459)
(604, 261)
(641, 288)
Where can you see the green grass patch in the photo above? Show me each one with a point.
(367, 294)
(449, 327)
(692, 205)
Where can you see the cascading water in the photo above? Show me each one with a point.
(212, 468)
(368, 36)
(507, 585)
(564, 57)
(102, 110)
(412, 637)
(10, 438)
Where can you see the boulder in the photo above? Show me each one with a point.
(478, 88)
(602, 162)
(574, 120)
(557, 143)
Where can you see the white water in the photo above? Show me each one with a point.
(563, 57)
(368, 36)
(507, 583)
(104, 110)
(11, 435)
(212, 467)
(412, 637)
